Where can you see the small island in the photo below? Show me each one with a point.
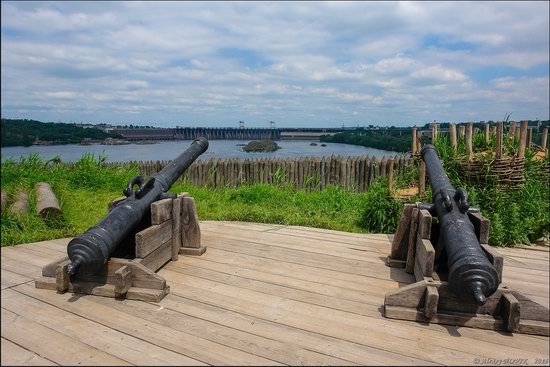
(261, 146)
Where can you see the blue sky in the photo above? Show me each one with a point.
(296, 63)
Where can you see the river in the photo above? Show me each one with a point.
(168, 150)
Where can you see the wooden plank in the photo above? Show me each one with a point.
(481, 225)
(495, 258)
(9, 279)
(198, 348)
(511, 312)
(431, 300)
(13, 355)
(425, 257)
(59, 348)
(344, 325)
(266, 347)
(411, 245)
(176, 227)
(152, 238)
(98, 335)
(190, 229)
(400, 240)
(160, 256)
(161, 211)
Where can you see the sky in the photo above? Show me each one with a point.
(300, 64)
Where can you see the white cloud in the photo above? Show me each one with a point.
(205, 63)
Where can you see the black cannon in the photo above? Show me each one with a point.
(471, 276)
(91, 250)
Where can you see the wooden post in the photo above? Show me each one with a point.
(434, 133)
(4, 200)
(512, 130)
(176, 226)
(469, 130)
(543, 140)
(414, 146)
(390, 175)
(522, 138)
(486, 132)
(452, 134)
(529, 138)
(461, 130)
(498, 141)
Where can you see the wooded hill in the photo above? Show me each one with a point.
(27, 132)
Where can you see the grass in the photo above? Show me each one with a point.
(85, 188)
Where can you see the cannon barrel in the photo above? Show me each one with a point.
(471, 276)
(91, 250)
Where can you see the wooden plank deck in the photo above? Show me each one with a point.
(260, 295)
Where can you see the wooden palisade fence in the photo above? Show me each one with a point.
(353, 173)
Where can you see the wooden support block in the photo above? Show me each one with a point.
(424, 224)
(411, 248)
(160, 256)
(62, 276)
(430, 301)
(50, 269)
(190, 230)
(176, 227)
(161, 211)
(192, 251)
(534, 327)
(424, 258)
(152, 238)
(481, 226)
(123, 280)
(147, 295)
(400, 239)
(511, 312)
(495, 258)
(46, 283)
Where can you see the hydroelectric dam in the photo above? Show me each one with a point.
(226, 133)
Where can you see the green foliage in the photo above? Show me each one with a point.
(397, 140)
(26, 132)
(518, 215)
(261, 146)
(381, 212)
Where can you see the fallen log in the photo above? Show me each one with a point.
(47, 204)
